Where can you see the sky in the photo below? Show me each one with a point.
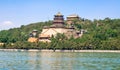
(14, 13)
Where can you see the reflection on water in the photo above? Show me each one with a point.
(58, 61)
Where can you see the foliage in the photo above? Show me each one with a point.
(22, 33)
(101, 34)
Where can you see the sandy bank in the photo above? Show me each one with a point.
(44, 50)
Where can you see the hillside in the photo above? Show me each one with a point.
(101, 34)
(22, 33)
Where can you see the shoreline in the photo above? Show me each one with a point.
(46, 50)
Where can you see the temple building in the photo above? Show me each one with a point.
(33, 36)
(32, 39)
(72, 18)
(58, 19)
(58, 26)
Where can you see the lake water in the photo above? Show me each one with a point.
(59, 61)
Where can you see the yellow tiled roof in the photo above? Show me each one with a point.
(73, 15)
(31, 39)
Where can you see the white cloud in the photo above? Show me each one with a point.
(6, 25)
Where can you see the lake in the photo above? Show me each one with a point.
(58, 61)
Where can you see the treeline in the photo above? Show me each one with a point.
(21, 34)
(101, 34)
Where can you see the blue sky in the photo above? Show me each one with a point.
(14, 13)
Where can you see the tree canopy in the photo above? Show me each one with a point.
(101, 34)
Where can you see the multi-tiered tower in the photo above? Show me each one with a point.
(58, 27)
(58, 20)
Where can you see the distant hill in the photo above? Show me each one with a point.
(22, 33)
(101, 34)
